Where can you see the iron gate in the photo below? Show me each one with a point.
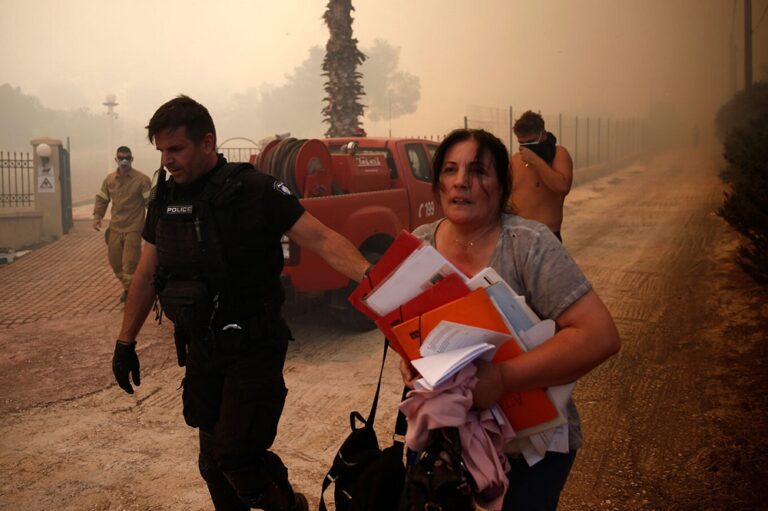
(17, 180)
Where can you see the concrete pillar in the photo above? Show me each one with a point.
(48, 188)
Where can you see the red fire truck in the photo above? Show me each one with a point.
(367, 189)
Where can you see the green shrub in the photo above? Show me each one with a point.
(745, 106)
(746, 205)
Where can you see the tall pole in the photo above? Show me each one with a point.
(747, 44)
(733, 72)
(576, 145)
(511, 131)
(587, 141)
(110, 103)
(599, 120)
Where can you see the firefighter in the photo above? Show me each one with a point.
(128, 190)
(213, 257)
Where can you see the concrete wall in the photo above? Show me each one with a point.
(23, 227)
(20, 229)
(49, 204)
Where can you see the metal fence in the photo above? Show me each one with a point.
(17, 180)
(238, 154)
(590, 140)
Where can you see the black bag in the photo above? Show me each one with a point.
(365, 477)
(186, 302)
(188, 305)
(439, 480)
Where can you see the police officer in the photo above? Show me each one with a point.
(213, 257)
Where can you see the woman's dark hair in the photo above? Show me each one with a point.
(486, 143)
(182, 111)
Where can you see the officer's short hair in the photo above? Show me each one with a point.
(182, 111)
(123, 149)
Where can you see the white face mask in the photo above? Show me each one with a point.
(124, 164)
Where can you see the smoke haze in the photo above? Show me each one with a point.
(255, 65)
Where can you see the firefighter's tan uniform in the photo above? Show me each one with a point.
(129, 193)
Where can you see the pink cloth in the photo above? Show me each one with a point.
(482, 438)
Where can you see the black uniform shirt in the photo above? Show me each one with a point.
(251, 228)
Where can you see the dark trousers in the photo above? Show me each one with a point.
(537, 488)
(234, 392)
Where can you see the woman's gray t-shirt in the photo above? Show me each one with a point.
(537, 266)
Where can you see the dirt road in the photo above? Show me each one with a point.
(676, 421)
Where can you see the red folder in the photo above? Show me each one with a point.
(526, 411)
(448, 289)
(401, 248)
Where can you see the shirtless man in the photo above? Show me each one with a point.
(542, 173)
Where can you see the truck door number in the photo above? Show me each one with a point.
(426, 209)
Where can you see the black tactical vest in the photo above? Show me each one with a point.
(210, 273)
(192, 279)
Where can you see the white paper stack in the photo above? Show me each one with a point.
(419, 271)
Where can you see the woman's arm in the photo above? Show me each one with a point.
(587, 337)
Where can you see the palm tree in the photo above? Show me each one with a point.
(343, 88)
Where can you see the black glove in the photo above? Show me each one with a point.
(126, 361)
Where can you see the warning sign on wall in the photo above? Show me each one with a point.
(46, 184)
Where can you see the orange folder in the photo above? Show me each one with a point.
(527, 411)
(448, 289)
(474, 309)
